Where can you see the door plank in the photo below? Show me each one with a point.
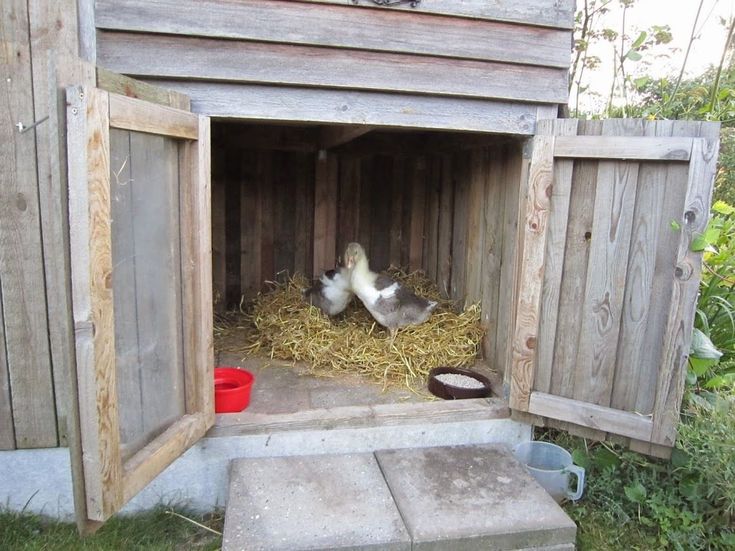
(555, 253)
(628, 148)
(603, 298)
(533, 224)
(134, 114)
(91, 247)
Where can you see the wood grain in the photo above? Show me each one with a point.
(418, 209)
(141, 116)
(555, 252)
(624, 148)
(132, 88)
(186, 58)
(384, 31)
(7, 435)
(325, 106)
(22, 280)
(474, 257)
(325, 213)
(536, 12)
(534, 220)
(591, 415)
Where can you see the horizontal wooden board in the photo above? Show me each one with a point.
(276, 103)
(133, 114)
(559, 13)
(384, 31)
(625, 148)
(353, 417)
(591, 415)
(287, 65)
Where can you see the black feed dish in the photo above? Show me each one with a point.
(449, 392)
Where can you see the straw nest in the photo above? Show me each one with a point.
(280, 324)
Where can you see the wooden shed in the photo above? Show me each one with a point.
(262, 137)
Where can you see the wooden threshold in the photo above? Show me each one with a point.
(358, 417)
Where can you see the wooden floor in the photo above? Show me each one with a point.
(287, 397)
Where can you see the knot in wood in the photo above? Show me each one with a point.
(690, 216)
(683, 271)
(20, 202)
(531, 343)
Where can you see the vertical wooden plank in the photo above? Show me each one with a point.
(21, 255)
(155, 196)
(127, 364)
(574, 277)
(409, 166)
(446, 222)
(219, 242)
(90, 241)
(651, 223)
(53, 31)
(396, 215)
(514, 175)
(418, 209)
(380, 209)
(531, 271)
(433, 187)
(555, 251)
(326, 175)
(7, 436)
(492, 251)
(474, 256)
(364, 218)
(348, 207)
(283, 214)
(461, 163)
(677, 337)
(604, 290)
(250, 226)
(302, 234)
(232, 228)
(265, 182)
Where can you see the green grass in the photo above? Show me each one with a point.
(160, 529)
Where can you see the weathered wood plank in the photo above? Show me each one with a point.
(54, 46)
(22, 281)
(90, 241)
(275, 103)
(515, 171)
(396, 215)
(132, 88)
(446, 222)
(380, 212)
(670, 387)
(7, 435)
(160, 56)
(366, 191)
(492, 250)
(348, 208)
(283, 215)
(156, 230)
(640, 148)
(334, 136)
(265, 182)
(431, 241)
(385, 31)
(418, 210)
(127, 366)
(591, 415)
(536, 12)
(462, 172)
(534, 220)
(247, 423)
(250, 226)
(141, 116)
(474, 256)
(555, 252)
(605, 287)
(325, 216)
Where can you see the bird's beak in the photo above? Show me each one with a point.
(350, 262)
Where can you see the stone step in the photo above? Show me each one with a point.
(449, 497)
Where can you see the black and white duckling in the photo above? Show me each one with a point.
(331, 293)
(391, 304)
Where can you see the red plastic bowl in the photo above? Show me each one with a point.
(231, 389)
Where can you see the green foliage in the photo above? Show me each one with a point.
(688, 503)
(725, 180)
(157, 530)
(714, 333)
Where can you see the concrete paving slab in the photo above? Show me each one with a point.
(312, 502)
(472, 498)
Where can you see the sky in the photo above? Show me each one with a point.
(680, 16)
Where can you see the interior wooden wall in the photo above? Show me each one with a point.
(449, 209)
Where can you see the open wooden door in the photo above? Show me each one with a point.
(607, 281)
(139, 217)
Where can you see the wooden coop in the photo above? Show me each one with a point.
(268, 135)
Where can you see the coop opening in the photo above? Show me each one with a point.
(435, 211)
